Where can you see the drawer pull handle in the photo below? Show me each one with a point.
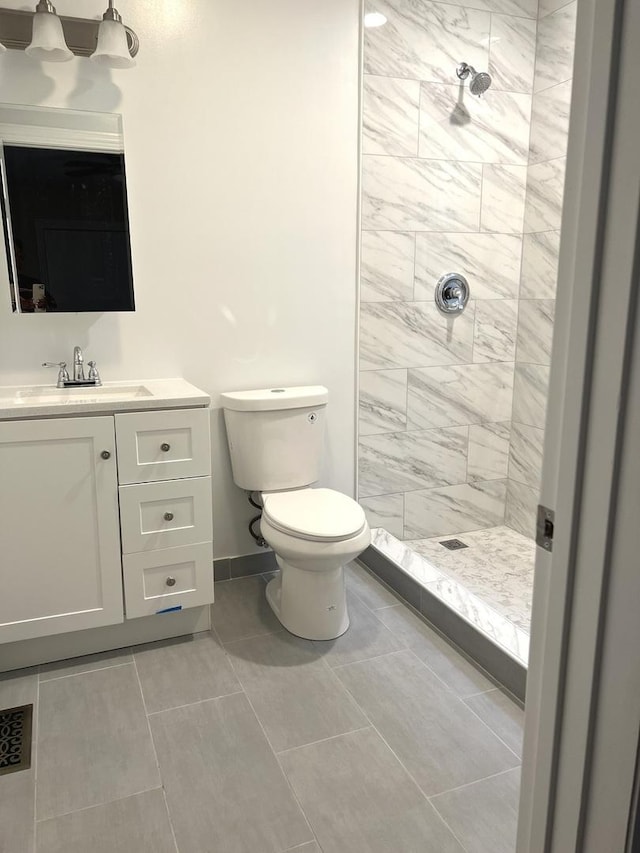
(171, 581)
(164, 447)
(105, 454)
(168, 516)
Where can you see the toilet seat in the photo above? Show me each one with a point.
(316, 515)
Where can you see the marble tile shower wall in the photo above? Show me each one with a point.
(543, 210)
(443, 189)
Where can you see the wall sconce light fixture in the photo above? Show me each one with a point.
(47, 37)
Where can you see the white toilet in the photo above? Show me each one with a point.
(276, 439)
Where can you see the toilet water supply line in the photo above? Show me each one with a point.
(258, 538)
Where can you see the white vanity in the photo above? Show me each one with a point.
(105, 517)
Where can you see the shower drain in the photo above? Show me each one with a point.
(15, 739)
(453, 544)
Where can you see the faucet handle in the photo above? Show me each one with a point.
(63, 373)
(93, 375)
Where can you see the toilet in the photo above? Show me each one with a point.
(276, 442)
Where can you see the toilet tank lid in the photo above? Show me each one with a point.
(272, 399)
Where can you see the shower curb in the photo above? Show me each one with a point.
(497, 663)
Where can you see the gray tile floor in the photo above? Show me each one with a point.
(249, 740)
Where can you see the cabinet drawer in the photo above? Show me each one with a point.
(173, 578)
(163, 445)
(165, 514)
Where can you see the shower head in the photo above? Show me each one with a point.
(480, 80)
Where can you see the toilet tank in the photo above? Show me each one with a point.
(275, 436)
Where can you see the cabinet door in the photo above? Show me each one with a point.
(60, 564)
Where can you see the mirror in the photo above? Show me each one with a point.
(64, 210)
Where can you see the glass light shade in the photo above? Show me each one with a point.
(113, 49)
(47, 41)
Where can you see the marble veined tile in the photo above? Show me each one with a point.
(494, 336)
(550, 123)
(390, 116)
(414, 564)
(555, 47)
(494, 549)
(387, 266)
(521, 508)
(524, 8)
(535, 330)
(490, 262)
(525, 459)
(545, 186)
(386, 511)
(383, 401)
(452, 510)
(456, 125)
(413, 334)
(409, 194)
(497, 565)
(540, 265)
(488, 455)
(530, 388)
(459, 395)
(504, 190)
(545, 7)
(512, 53)
(503, 631)
(399, 462)
(424, 40)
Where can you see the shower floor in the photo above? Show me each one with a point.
(497, 567)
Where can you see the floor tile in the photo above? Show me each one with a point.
(17, 790)
(93, 741)
(484, 816)
(358, 797)
(87, 663)
(440, 742)
(139, 823)
(295, 695)
(502, 715)
(456, 671)
(182, 671)
(241, 610)
(17, 804)
(366, 638)
(311, 847)
(368, 589)
(224, 786)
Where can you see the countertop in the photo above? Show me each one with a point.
(41, 401)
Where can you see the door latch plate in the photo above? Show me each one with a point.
(545, 524)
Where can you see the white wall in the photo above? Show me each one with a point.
(241, 126)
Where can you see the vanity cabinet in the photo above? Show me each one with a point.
(60, 561)
(103, 519)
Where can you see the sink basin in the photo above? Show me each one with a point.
(69, 396)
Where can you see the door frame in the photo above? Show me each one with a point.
(580, 738)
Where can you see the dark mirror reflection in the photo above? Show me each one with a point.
(68, 245)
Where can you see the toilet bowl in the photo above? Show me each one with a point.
(314, 533)
(276, 443)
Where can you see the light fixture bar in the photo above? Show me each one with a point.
(81, 34)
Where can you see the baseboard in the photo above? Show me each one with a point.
(229, 568)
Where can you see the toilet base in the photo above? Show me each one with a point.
(309, 604)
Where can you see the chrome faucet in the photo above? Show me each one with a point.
(78, 365)
(79, 379)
